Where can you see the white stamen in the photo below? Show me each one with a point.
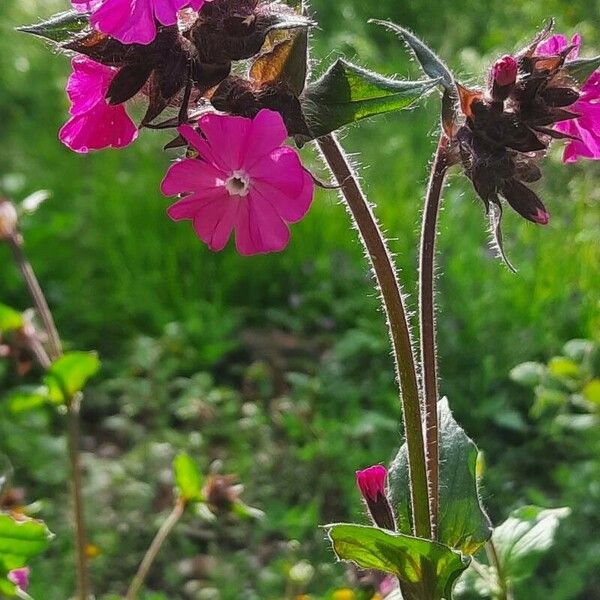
(238, 184)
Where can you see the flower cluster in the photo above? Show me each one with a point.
(531, 100)
(238, 175)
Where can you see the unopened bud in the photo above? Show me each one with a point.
(8, 219)
(20, 577)
(503, 77)
(371, 483)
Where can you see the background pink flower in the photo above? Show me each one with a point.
(134, 21)
(244, 180)
(587, 127)
(94, 124)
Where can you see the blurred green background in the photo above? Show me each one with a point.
(277, 368)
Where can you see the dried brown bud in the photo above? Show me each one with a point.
(221, 492)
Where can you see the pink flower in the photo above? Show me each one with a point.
(587, 127)
(371, 482)
(20, 577)
(134, 21)
(504, 71)
(94, 124)
(243, 180)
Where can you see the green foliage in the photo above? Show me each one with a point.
(9, 319)
(69, 374)
(20, 540)
(463, 524)
(582, 68)
(59, 28)
(347, 93)
(187, 478)
(426, 569)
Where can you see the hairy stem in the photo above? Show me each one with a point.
(154, 549)
(385, 273)
(503, 583)
(45, 359)
(427, 325)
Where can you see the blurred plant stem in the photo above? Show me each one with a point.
(429, 372)
(154, 549)
(504, 588)
(393, 302)
(72, 404)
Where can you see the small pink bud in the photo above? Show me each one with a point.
(371, 482)
(20, 577)
(8, 219)
(541, 217)
(504, 71)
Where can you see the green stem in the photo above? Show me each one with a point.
(154, 549)
(55, 352)
(385, 273)
(503, 583)
(427, 325)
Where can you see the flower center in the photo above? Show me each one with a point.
(238, 184)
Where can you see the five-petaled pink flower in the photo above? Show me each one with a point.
(242, 180)
(586, 128)
(134, 21)
(371, 482)
(94, 124)
(20, 577)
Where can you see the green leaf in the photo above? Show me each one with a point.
(579, 350)
(10, 319)
(560, 367)
(427, 569)
(69, 374)
(432, 65)
(347, 93)
(524, 537)
(59, 28)
(19, 541)
(582, 68)
(463, 523)
(188, 478)
(528, 374)
(27, 398)
(6, 472)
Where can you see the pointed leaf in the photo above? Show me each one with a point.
(429, 61)
(582, 68)
(187, 477)
(427, 569)
(463, 524)
(69, 375)
(10, 319)
(59, 28)
(20, 540)
(524, 537)
(347, 93)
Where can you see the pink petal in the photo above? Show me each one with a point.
(101, 127)
(202, 146)
(259, 229)
(557, 43)
(129, 21)
(88, 84)
(215, 221)
(190, 206)
(191, 175)
(268, 132)
(228, 138)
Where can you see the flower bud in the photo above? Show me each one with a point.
(20, 577)
(503, 77)
(371, 483)
(8, 219)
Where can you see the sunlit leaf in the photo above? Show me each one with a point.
(529, 374)
(59, 28)
(187, 478)
(10, 319)
(69, 374)
(427, 569)
(347, 93)
(27, 398)
(463, 523)
(432, 65)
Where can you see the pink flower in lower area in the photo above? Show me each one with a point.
(243, 180)
(20, 577)
(94, 124)
(586, 128)
(371, 482)
(134, 21)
